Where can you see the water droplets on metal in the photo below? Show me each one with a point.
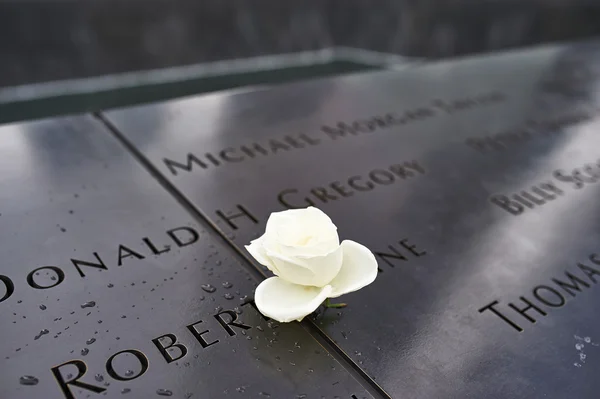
(89, 304)
(43, 307)
(85, 351)
(28, 380)
(164, 392)
(43, 332)
(90, 341)
(228, 296)
(208, 288)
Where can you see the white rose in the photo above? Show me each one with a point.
(302, 248)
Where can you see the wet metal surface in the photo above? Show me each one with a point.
(108, 286)
(474, 181)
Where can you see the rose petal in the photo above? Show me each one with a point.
(317, 271)
(258, 252)
(284, 302)
(359, 269)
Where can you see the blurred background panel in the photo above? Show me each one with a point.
(43, 41)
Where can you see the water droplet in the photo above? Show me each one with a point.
(227, 284)
(85, 351)
(579, 346)
(208, 288)
(28, 380)
(218, 309)
(43, 332)
(259, 328)
(19, 301)
(265, 394)
(587, 340)
(228, 296)
(99, 377)
(301, 396)
(110, 285)
(99, 321)
(43, 307)
(90, 341)
(129, 373)
(125, 390)
(241, 389)
(89, 304)
(164, 392)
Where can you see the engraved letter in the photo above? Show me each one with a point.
(523, 312)
(191, 159)
(510, 206)
(575, 281)
(193, 233)
(226, 325)
(490, 307)
(99, 265)
(125, 252)
(561, 299)
(10, 287)
(244, 212)
(198, 335)
(140, 357)
(59, 274)
(64, 385)
(163, 349)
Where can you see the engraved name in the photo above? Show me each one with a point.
(171, 347)
(543, 193)
(180, 236)
(292, 198)
(545, 297)
(332, 131)
(528, 131)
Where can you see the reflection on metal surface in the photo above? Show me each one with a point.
(103, 285)
(517, 127)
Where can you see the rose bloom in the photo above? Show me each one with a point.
(302, 248)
